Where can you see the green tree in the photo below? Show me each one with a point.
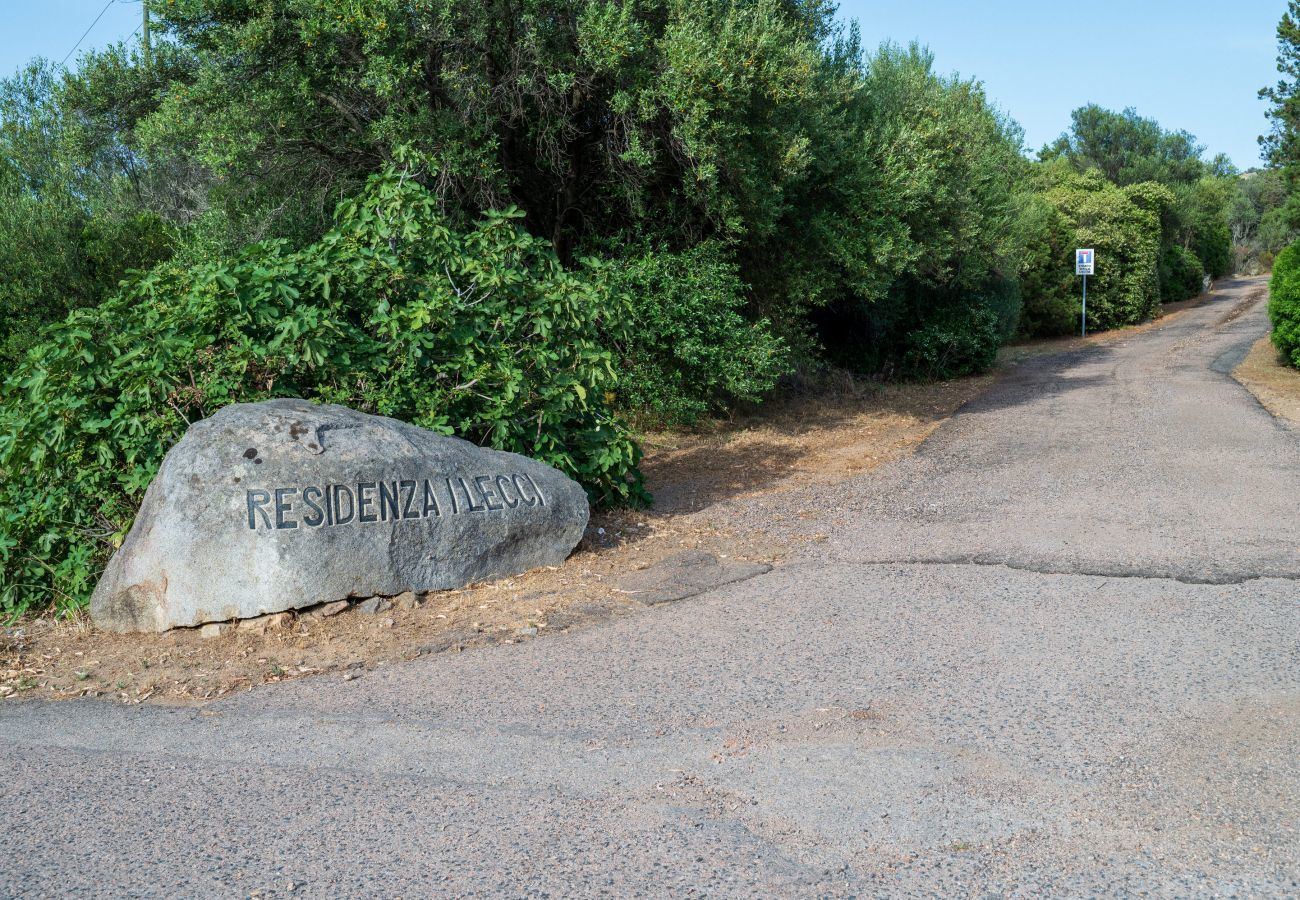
(1129, 149)
(761, 126)
(944, 261)
(72, 219)
(1256, 219)
(1202, 220)
(1282, 144)
(1048, 285)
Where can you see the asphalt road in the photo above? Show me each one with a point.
(1054, 652)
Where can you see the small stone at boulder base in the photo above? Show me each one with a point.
(216, 629)
(406, 601)
(331, 504)
(373, 605)
(686, 574)
(331, 609)
(263, 624)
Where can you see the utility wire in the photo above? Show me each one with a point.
(92, 25)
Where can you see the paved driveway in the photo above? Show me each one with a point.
(1056, 651)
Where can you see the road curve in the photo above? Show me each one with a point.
(1055, 651)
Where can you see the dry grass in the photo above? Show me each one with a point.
(1275, 384)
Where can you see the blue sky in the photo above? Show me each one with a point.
(1192, 64)
(50, 28)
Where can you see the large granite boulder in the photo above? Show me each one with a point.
(284, 504)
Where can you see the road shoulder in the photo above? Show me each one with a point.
(1275, 384)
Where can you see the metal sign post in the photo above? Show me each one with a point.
(1083, 312)
(1083, 265)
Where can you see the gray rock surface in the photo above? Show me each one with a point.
(286, 504)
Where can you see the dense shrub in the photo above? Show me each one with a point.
(1257, 221)
(1052, 314)
(71, 222)
(1284, 303)
(1048, 285)
(602, 121)
(1123, 226)
(54, 257)
(482, 334)
(1213, 247)
(960, 340)
(1135, 152)
(691, 352)
(941, 234)
(1181, 275)
(1199, 220)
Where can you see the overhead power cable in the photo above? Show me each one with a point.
(88, 30)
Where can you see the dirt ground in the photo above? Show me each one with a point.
(1274, 384)
(815, 433)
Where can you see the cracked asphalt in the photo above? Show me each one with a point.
(1054, 652)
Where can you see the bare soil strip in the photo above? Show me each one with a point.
(1275, 384)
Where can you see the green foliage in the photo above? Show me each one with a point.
(1199, 220)
(1257, 219)
(56, 258)
(482, 334)
(1048, 284)
(70, 225)
(1282, 144)
(1212, 247)
(601, 120)
(1128, 149)
(691, 353)
(954, 167)
(960, 340)
(1284, 303)
(1123, 226)
(1181, 275)
(761, 125)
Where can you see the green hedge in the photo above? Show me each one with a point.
(962, 340)
(1123, 226)
(1181, 275)
(482, 334)
(692, 353)
(1284, 303)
